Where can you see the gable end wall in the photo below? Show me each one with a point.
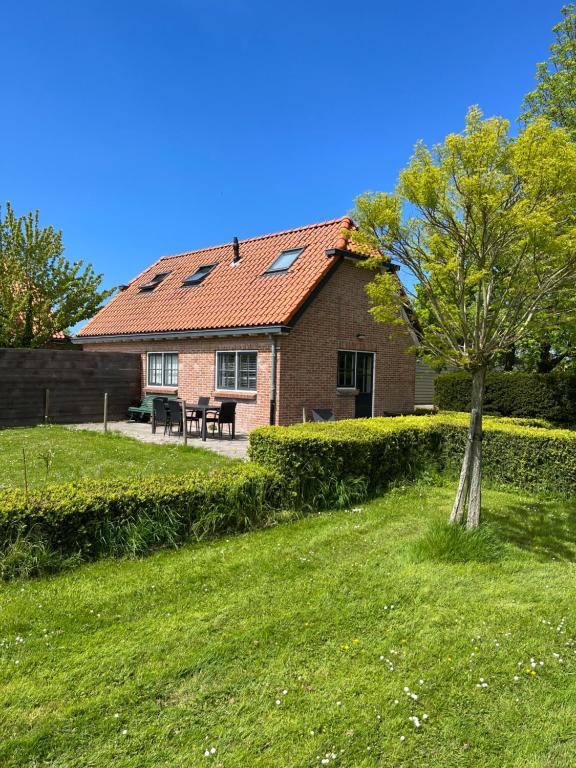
(308, 355)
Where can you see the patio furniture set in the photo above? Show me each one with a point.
(175, 415)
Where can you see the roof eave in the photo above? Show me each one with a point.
(252, 330)
(331, 252)
(355, 256)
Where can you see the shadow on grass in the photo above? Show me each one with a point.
(547, 529)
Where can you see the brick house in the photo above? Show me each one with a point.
(278, 323)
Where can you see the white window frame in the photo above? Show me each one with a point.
(234, 352)
(162, 354)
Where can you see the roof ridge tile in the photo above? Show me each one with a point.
(319, 224)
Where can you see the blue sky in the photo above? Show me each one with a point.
(147, 128)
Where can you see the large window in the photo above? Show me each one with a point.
(237, 370)
(162, 369)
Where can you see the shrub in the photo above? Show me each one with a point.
(550, 396)
(89, 519)
(528, 456)
(317, 459)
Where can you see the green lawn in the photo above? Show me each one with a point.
(76, 454)
(287, 646)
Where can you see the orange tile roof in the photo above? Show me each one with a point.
(231, 296)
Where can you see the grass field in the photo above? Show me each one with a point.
(75, 454)
(308, 644)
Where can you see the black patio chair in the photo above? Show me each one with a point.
(226, 415)
(159, 413)
(197, 416)
(174, 417)
(323, 414)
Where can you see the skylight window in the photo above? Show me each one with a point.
(199, 275)
(283, 262)
(156, 280)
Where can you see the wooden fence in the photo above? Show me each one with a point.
(66, 386)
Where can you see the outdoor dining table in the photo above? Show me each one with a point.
(204, 409)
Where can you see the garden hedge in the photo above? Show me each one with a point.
(93, 518)
(550, 396)
(306, 466)
(322, 463)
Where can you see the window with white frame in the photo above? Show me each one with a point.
(237, 370)
(162, 369)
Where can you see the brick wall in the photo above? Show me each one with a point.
(196, 372)
(308, 356)
(306, 361)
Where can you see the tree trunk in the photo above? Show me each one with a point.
(545, 363)
(28, 325)
(469, 494)
(510, 358)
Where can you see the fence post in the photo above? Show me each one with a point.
(105, 411)
(46, 404)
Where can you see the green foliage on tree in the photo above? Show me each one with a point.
(41, 293)
(552, 346)
(555, 94)
(486, 225)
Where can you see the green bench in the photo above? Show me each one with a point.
(146, 406)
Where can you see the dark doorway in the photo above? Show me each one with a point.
(364, 384)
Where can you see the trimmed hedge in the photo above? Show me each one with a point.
(550, 396)
(90, 519)
(531, 458)
(306, 466)
(321, 460)
(327, 463)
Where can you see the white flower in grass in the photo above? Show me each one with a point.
(125, 732)
(402, 738)
(278, 702)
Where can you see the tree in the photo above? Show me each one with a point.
(555, 94)
(555, 98)
(41, 293)
(486, 225)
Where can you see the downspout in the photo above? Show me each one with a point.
(272, 379)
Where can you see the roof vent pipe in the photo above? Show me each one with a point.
(236, 249)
